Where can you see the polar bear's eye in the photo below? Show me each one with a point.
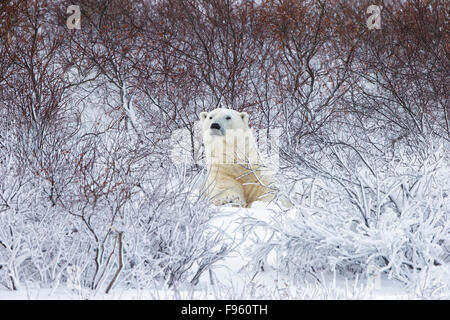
(228, 118)
(210, 118)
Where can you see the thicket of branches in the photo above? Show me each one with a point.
(86, 115)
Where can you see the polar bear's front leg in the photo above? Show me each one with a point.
(228, 198)
(227, 191)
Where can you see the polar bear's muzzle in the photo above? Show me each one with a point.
(216, 130)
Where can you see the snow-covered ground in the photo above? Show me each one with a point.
(268, 287)
(235, 278)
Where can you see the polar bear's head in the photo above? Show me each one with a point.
(227, 137)
(218, 121)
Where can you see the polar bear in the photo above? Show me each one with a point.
(237, 174)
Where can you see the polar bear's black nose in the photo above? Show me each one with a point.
(215, 125)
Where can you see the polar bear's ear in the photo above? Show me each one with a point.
(244, 116)
(203, 115)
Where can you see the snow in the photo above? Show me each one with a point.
(234, 278)
(101, 159)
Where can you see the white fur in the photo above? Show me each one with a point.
(236, 172)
